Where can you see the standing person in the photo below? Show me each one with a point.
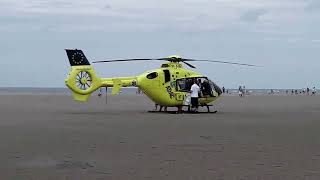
(308, 91)
(240, 91)
(223, 90)
(243, 91)
(206, 89)
(195, 89)
(314, 91)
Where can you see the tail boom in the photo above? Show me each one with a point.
(117, 83)
(82, 79)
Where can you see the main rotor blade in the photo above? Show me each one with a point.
(175, 60)
(122, 60)
(138, 59)
(190, 65)
(223, 62)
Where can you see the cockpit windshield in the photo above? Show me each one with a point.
(215, 87)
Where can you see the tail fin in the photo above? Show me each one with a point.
(76, 57)
(82, 79)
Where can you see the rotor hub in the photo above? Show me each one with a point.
(83, 80)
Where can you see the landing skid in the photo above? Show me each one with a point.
(183, 112)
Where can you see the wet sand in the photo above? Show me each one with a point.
(257, 137)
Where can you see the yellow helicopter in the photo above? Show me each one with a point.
(167, 86)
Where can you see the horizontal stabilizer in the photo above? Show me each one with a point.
(117, 84)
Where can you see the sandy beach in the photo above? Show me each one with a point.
(51, 137)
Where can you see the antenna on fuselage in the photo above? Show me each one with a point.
(106, 95)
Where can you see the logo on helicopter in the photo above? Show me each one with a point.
(169, 90)
(77, 58)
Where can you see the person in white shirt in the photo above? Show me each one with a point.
(195, 89)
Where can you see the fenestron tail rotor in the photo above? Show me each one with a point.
(83, 80)
(177, 59)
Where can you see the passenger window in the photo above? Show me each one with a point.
(152, 75)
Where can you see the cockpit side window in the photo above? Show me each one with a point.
(184, 84)
(152, 75)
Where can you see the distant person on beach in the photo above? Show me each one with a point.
(314, 91)
(223, 90)
(308, 91)
(240, 91)
(195, 89)
(243, 91)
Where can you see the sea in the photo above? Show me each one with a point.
(130, 90)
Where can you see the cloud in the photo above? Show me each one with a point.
(313, 5)
(253, 16)
(182, 15)
(315, 40)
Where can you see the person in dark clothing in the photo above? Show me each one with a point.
(206, 89)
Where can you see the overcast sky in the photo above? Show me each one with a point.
(281, 35)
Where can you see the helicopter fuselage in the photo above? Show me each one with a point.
(170, 85)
